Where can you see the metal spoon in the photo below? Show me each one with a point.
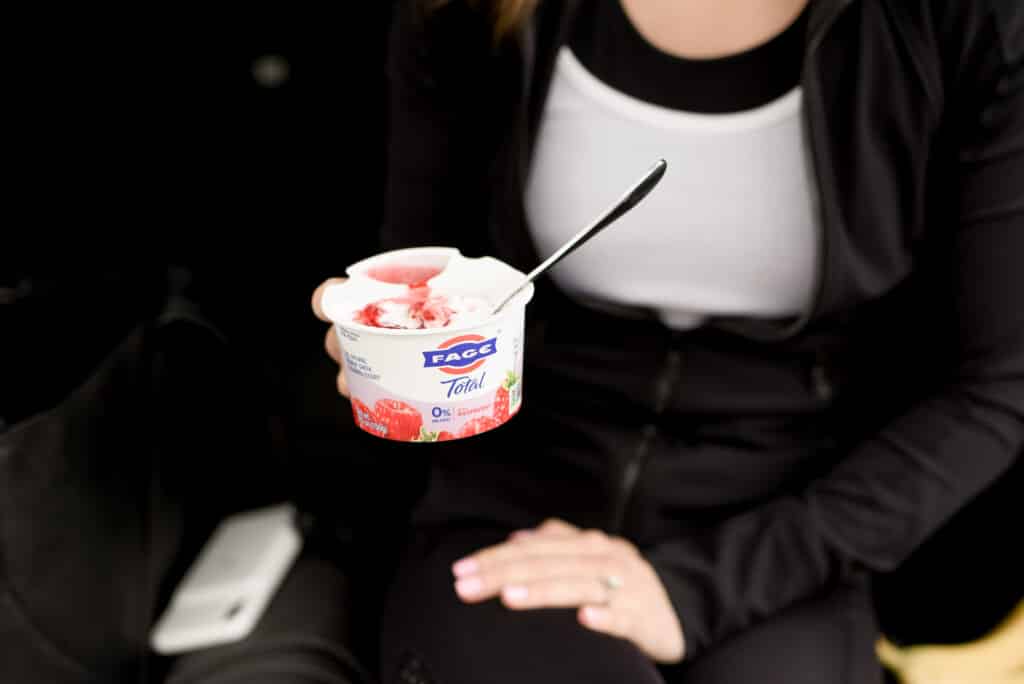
(629, 200)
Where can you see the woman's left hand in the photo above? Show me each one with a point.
(557, 565)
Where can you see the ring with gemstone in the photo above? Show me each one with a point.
(612, 582)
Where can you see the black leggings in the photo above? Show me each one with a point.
(430, 637)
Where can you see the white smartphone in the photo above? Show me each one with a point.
(238, 571)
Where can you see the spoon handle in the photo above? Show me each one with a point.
(630, 199)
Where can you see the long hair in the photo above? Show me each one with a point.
(510, 14)
(506, 15)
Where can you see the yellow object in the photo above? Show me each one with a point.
(997, 658)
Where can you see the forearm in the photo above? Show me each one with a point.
(875, 507)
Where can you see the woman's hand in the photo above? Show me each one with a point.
(331, 339)
(557, 565)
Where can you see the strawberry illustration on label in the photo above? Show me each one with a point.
(478, 425)
(401, 421)
(367, 419)
(502, 405)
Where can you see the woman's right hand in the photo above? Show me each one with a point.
(331, 342)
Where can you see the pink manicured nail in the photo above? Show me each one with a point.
(466, 566)
(594, 616)
(515, 594)
(469, 587)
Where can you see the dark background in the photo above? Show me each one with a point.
(243, 143)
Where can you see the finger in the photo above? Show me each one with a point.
(602, 618)
(557, 528)
(486, 585)
(332, 345)
(588, 543)
(551, 527)
(318, 296)
(558, 592)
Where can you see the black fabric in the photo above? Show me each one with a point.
(106, 497)
(738, 426)
(300, 639)
(915, 116)
(73, 545)
(968, 552)
(608, 44)
(829, 638)
(92, 304)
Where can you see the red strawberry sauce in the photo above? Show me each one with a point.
(418, 300)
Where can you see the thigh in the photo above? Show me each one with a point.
(430, 637)
(830, 640)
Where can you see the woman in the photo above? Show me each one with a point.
(779, 374)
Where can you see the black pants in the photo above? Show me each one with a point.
(431, 637)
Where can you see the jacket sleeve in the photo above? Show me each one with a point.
(886, 496)
(440, 122)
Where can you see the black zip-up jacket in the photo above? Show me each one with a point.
(915, 117)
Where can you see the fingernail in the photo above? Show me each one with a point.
(515, 594)
(521, 534)
(466, 566)
(469, 587)
(593, 615)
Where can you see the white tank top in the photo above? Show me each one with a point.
(731, 229)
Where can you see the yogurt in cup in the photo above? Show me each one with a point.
(424, 358)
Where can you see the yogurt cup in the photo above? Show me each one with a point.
(438, 383)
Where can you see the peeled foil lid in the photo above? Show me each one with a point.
(484, 278)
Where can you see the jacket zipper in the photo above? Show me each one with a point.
(664, 388)
(668, 379)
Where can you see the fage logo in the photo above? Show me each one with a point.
(460, 355)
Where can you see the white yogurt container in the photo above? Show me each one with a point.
(432, 384)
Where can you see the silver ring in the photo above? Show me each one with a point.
(612, 582)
